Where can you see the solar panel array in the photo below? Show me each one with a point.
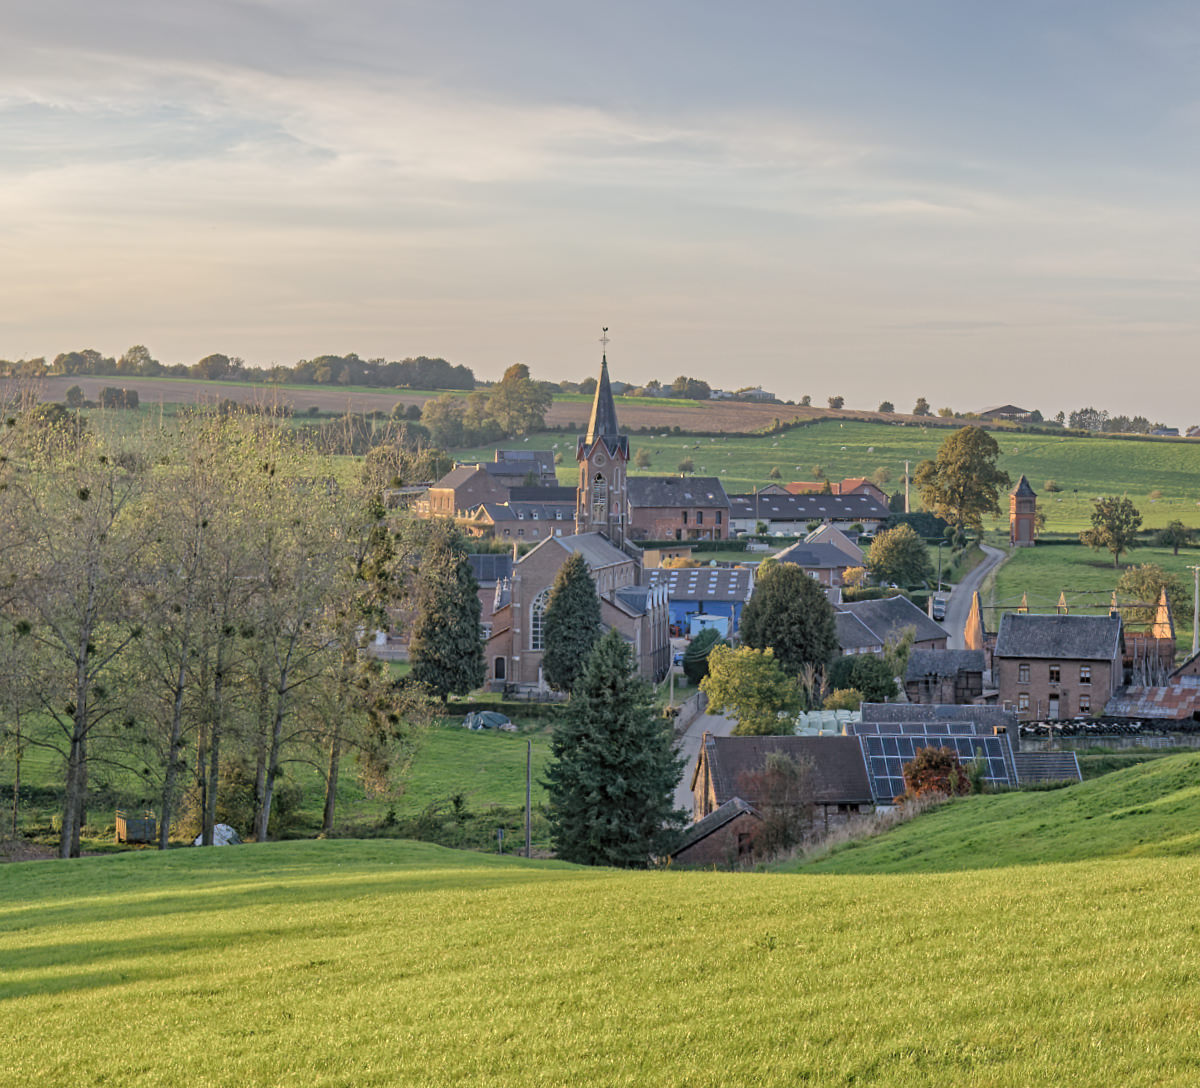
(887, 746)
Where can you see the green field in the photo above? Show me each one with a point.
(1083, 467)
(1087, 577)
(382, 963)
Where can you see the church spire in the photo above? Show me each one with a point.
(603, 420)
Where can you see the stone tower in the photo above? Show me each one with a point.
(603, 455)
(1022, 510)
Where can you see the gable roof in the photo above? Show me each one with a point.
(1023, 490)
(1086, 638)
(853, 634)
(525, 511)
(490, 568)
(595, 549)
(942, 663)
(703, 583)
(830, 534)
(767, 507)
(458, 476)
(816, 556)
(714, 821)
(889, 617)
(675, 491)
(542, 494)
(838, 774)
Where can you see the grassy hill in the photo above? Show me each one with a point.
(385, 963)
(1082, 467)
(1151, 810)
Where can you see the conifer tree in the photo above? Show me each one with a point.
(571, 625)
(613, 778)
(445, 649)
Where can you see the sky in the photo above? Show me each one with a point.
(977, 203)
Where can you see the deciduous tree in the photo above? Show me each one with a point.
(962, 483)
(789, 614)
(898, 555)
(1115, 524)
(750, 684)
(1175, 536)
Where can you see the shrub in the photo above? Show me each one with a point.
(936, 771)
(1051, 486)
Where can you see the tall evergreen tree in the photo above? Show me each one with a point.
(571, 624)
(613, 778)
(789, 613)
(446, 649)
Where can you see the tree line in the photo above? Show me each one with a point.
(189, 610)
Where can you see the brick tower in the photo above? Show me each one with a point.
(603, 454)
(1022, 510)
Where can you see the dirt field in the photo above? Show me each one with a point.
(634, 413)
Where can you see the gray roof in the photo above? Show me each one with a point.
(489, 569)
(807, 507)
(1023, 490)
(853, 634)
(595, 549)
(838, 772)
(888, 618)
(457, 476)
(923, 663)
(676, 491)
(632, 598)
(984, 718)
(714, 821)
(529, 511)
(542, 494)
(542, 459)
(1082, 638)
(603, 421)
(815, 556)
(703, 583)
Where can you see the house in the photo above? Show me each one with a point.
(889, 618)
(791, 515)
(531, 468)
(463, 489)
(852, 485)
(854, 636)
(948, 677)
(838, 784)
(1165, 432)
(824, 562)
(723, 837)
(515, 647)
(677, 508)
(530, 514)
(702, 597)
(1057, 666)
(827, 534)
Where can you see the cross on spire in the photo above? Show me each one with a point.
(604, 340)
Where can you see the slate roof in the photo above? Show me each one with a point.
(489, 569)
(889, 617)
(1075, 638)
(677, 491)
(703, 583)
(457, 476)
(542, 459)
(807, 507)
(942, 663)
(542, 494)
(815, 556)
(602, 424)
(714, 821)
(853, 634)
(632, 598)
(828, 534)
(595, 549)
(838, 772)
(528, 511)
(1023, 490)
(984, 718)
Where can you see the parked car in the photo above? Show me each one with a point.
(939, 608)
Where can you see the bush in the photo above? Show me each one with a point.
(1051, 486)
(936, 771)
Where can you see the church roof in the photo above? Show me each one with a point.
(602, 424)
(1023, 490)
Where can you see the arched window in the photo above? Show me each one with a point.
(537, 617)
(599, 499)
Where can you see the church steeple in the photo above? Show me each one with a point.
(600, 499)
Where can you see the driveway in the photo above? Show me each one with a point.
(959, 605)
(689, 746)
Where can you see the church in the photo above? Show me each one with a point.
(638, 612)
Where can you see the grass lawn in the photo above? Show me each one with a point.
(1083, 467)
(391, 963)
(1087, 577)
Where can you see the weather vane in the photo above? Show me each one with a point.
(604, 338)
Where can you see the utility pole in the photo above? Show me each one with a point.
(1195, 611)
(528, 784)
(906, 487)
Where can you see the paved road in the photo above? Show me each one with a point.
(689, 746)
(959, 604)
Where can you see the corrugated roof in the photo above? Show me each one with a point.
(807, 507)
(1178, 699)
(1083, 638)
(983, 718)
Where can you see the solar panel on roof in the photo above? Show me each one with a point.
(887, 754)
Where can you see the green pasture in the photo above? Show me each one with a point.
(393, 963)
(1083, 468)
(1151, 810)
(1087, 577)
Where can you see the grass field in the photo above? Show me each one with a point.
(1087, 577)
(391, 963)
(1083, 467)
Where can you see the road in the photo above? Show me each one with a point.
(959, 604)
(689, 746)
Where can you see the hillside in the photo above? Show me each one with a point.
(1151, 810)
(337, 963)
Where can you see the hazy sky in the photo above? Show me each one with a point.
(974, 202)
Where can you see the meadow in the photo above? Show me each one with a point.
(373, 963)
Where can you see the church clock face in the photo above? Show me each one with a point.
(599, 460)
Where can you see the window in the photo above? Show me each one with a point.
(537, 616)
(599, 498)
(520, 532)
(699, 517)
(1055, 673)
(684, 515)
(498, 668)
(718, 517)
(1052, 710)
(1022, 674)
(1023, 701)
(1085, 674)
(485, 629)
(1085, 704)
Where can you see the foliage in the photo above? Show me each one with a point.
(1051, 486)
(749, 684)
(613, 777)
(897, 649)
(886, 406)
(641, 459)
(936, 771)
(1175, 536)
(782, 793)
(695, 657)
(921, 408)
(445, 647)
(867, 673)
(843, 699)
(518, 403)
(686, 466)
(962, 482)
(1115, 523)
(836, 402)
(899, 555)
(854, 577)
(789, 613)
(571, 623)
(1146, 582)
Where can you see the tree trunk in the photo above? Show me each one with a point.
(214, 754)
(16, 778)
(331, 778)
(272, 768)
(174, 748)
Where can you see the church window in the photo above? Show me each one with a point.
(537, 618)
(599, 498)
